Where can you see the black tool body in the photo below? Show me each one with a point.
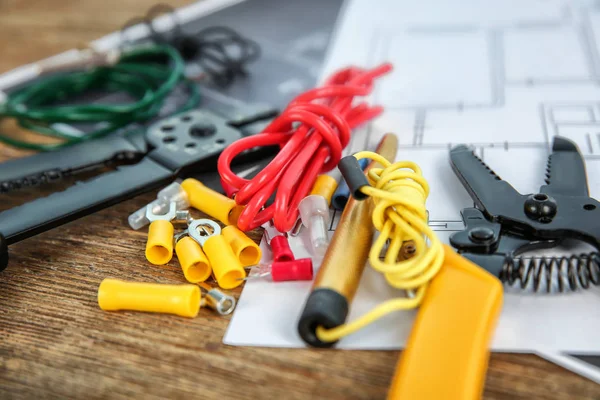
(505, 223)
(178, 146)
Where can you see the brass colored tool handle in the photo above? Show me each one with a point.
(447, 353)
(343, 264)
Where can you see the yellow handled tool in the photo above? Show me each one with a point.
(447, 353)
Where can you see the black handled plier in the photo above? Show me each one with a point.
(505, 223)
(178, 146)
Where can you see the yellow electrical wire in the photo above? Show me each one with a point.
(399, 192)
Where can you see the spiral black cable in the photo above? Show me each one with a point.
(572, 272)
(221, 52)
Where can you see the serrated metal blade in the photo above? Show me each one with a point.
(565, 170)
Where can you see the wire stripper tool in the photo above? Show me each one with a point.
(505, 223)
(178, 146)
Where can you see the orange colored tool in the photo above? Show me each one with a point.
(447, 353)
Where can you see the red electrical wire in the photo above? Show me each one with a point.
(311, 132)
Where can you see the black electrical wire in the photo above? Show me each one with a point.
(221, 52)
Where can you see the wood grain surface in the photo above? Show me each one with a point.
(56, 343)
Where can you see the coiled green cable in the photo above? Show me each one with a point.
(40, 105)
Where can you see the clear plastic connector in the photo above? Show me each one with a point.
(314, 213)
(174, 192)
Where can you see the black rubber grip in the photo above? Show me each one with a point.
(3, 253)
(83, 198)
(326, 308)
(354, 176)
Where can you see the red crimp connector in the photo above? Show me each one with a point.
(281, 249)
(296, 270)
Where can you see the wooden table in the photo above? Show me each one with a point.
(56, 343)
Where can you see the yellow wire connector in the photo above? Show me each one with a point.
(399, 192)
(325, 186)
(226, 266)
(159, 247)
(211, 203)
(245, 249)
(194, 263)
(182, 300)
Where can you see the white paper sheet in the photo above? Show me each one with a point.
(503, 76)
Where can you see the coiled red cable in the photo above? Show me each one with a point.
(311, 132)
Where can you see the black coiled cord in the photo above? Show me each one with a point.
(221, 52)
(573, 272)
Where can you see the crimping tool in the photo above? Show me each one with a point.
(177, 146)
(505, 223)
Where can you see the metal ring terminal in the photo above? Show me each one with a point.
(197, 230)
(180, 235)
(170, 215)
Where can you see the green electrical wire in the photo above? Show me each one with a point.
(35, 107)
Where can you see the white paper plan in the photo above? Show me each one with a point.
(502, 76)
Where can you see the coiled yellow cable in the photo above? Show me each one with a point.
(399, 192)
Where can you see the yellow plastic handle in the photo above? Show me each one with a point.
(447, 353)
(159, 247)
(210, 202)
(325, 186)
(244, 248)
(193, 261)
(227, 268)
(183, 300)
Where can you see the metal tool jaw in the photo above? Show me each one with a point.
(506, 223)
(173, 147)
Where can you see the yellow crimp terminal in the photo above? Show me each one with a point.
(325, 186)
(211, 203)
(448, 350)
(244, 248)
(182, 300)
(194, 263)
(226, 266)
(159, 247)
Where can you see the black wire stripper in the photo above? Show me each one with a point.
(179, 146)
(504, 223)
